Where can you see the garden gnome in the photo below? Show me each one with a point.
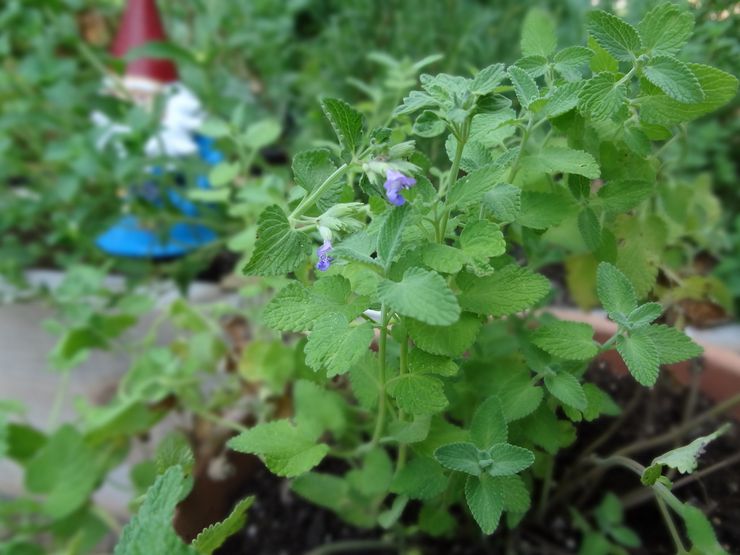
(145, 79)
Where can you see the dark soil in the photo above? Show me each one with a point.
(280, 523)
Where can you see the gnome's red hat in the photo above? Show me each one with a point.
(141, 24)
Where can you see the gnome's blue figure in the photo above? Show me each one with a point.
(145, 79)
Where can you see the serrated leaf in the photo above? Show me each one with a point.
(622, 195)
(319, 407)
(508, 459)
(570, 61)
(685, 459)
(645, 314)
(416, 100)
(672, 345)
(336, 346)
(700, 532)
(566, 160)
(482, 239)
(421, 362)
(324, 490)
(279, 248)
(428, 124)
(536, 66)
(602, 96)
(461, 457)
(364, 380)
(563, 99)
(287, 450)
(666, 28)
(565, 387)
(443, 258)
(390, 237)
(504, 201)
(375, 475)
(487, 79)
(310, 169)
(719, 88)
(422, 295)
(506, 292)
(211, 538)
(409, 432)
(150, 530)
(525, 87)
(543, 210)
(568, 340)
(602, 60)
(538, 33)
(641, 356)
(615, 35)
(590, 228)
(420, 478)
(674, 78)
(516, 496)
(419, 394)
(488, 425)
(473, 186)
(485, 501)
(348, 123)
(615, 291)
(451, 340)
(297, 308)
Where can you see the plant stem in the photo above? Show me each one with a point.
(462, 138)
(404, 362)
(61, 394)
(349, 546)
(668, 519)
(223, 422)
(313, 196)
(608, 343)
(546, 486)
(380, 422)
(520, 154)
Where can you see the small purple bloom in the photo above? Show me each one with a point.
(395, 181)
(324, 259)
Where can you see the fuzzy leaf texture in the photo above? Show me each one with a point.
(451, 340)
(685, 459)
(348, 123)
(213, 537)
(422, 295)
(615, 35)
(674, 78)
(567, 340)
(506, 292)
(279, 248)
(665, 29)
(615, 292)
(336, 346)
(538, 33)
(672, 345)
(287, 450)
(485, 500)
(418, 394)
(640, 354)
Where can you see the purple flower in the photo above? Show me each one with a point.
(324, 259)
(395, 181)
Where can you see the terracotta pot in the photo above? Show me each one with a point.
(719, 380)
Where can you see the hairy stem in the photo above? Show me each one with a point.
(520, 154)
(380, 422)
(462, 138)
(671, 526)
(309, 200)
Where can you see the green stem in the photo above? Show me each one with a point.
(314, 195)
(668, 519)
(224, 423)
(520, 154)
(61, 394)
(546, 487)
(404, 363)
(380, 422)
(609, 343)
(462, 138)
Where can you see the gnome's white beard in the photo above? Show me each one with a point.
(182, 116)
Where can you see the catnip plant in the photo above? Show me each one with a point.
(438, 378)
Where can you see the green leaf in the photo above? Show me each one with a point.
(665, 29)
(700, 531)
(615, 292)
(473, 186)
(543, 210)
(324, 490)
(645, 314)
(536, 66)
(211, 538)
(622, 195)
(444, 258)
(508, 459)
(558, 159)
(461, 457)
(223, 173)
(488, 425)
(487, 79)
(375, 475)
(420, 478)
(562, 99)
(485, 501)
(685, 459)
(390, 237)
(568, 340)
(674, 78)
(672, 345)
(719, 88)
(261, 134)
(320, 407)
(615, 35)
(311, 168)
(515, 494)
(279, 248)
(409, 432)
(504, 201)
(570, 61)
(287, 450)
(66, 469)
(422, 295)
(336, 346)
(602, 96)
(419, 394)
(506, 292)
(348, 123)
(451, 340)
(421, 362)
(482, 239)
(364, 380)
(565, 387)
(602, 60)
(524, 86)
(297, 308)
(640, 355)
(538, 33)
(428, 124)
(590, 228)
(150, 530)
